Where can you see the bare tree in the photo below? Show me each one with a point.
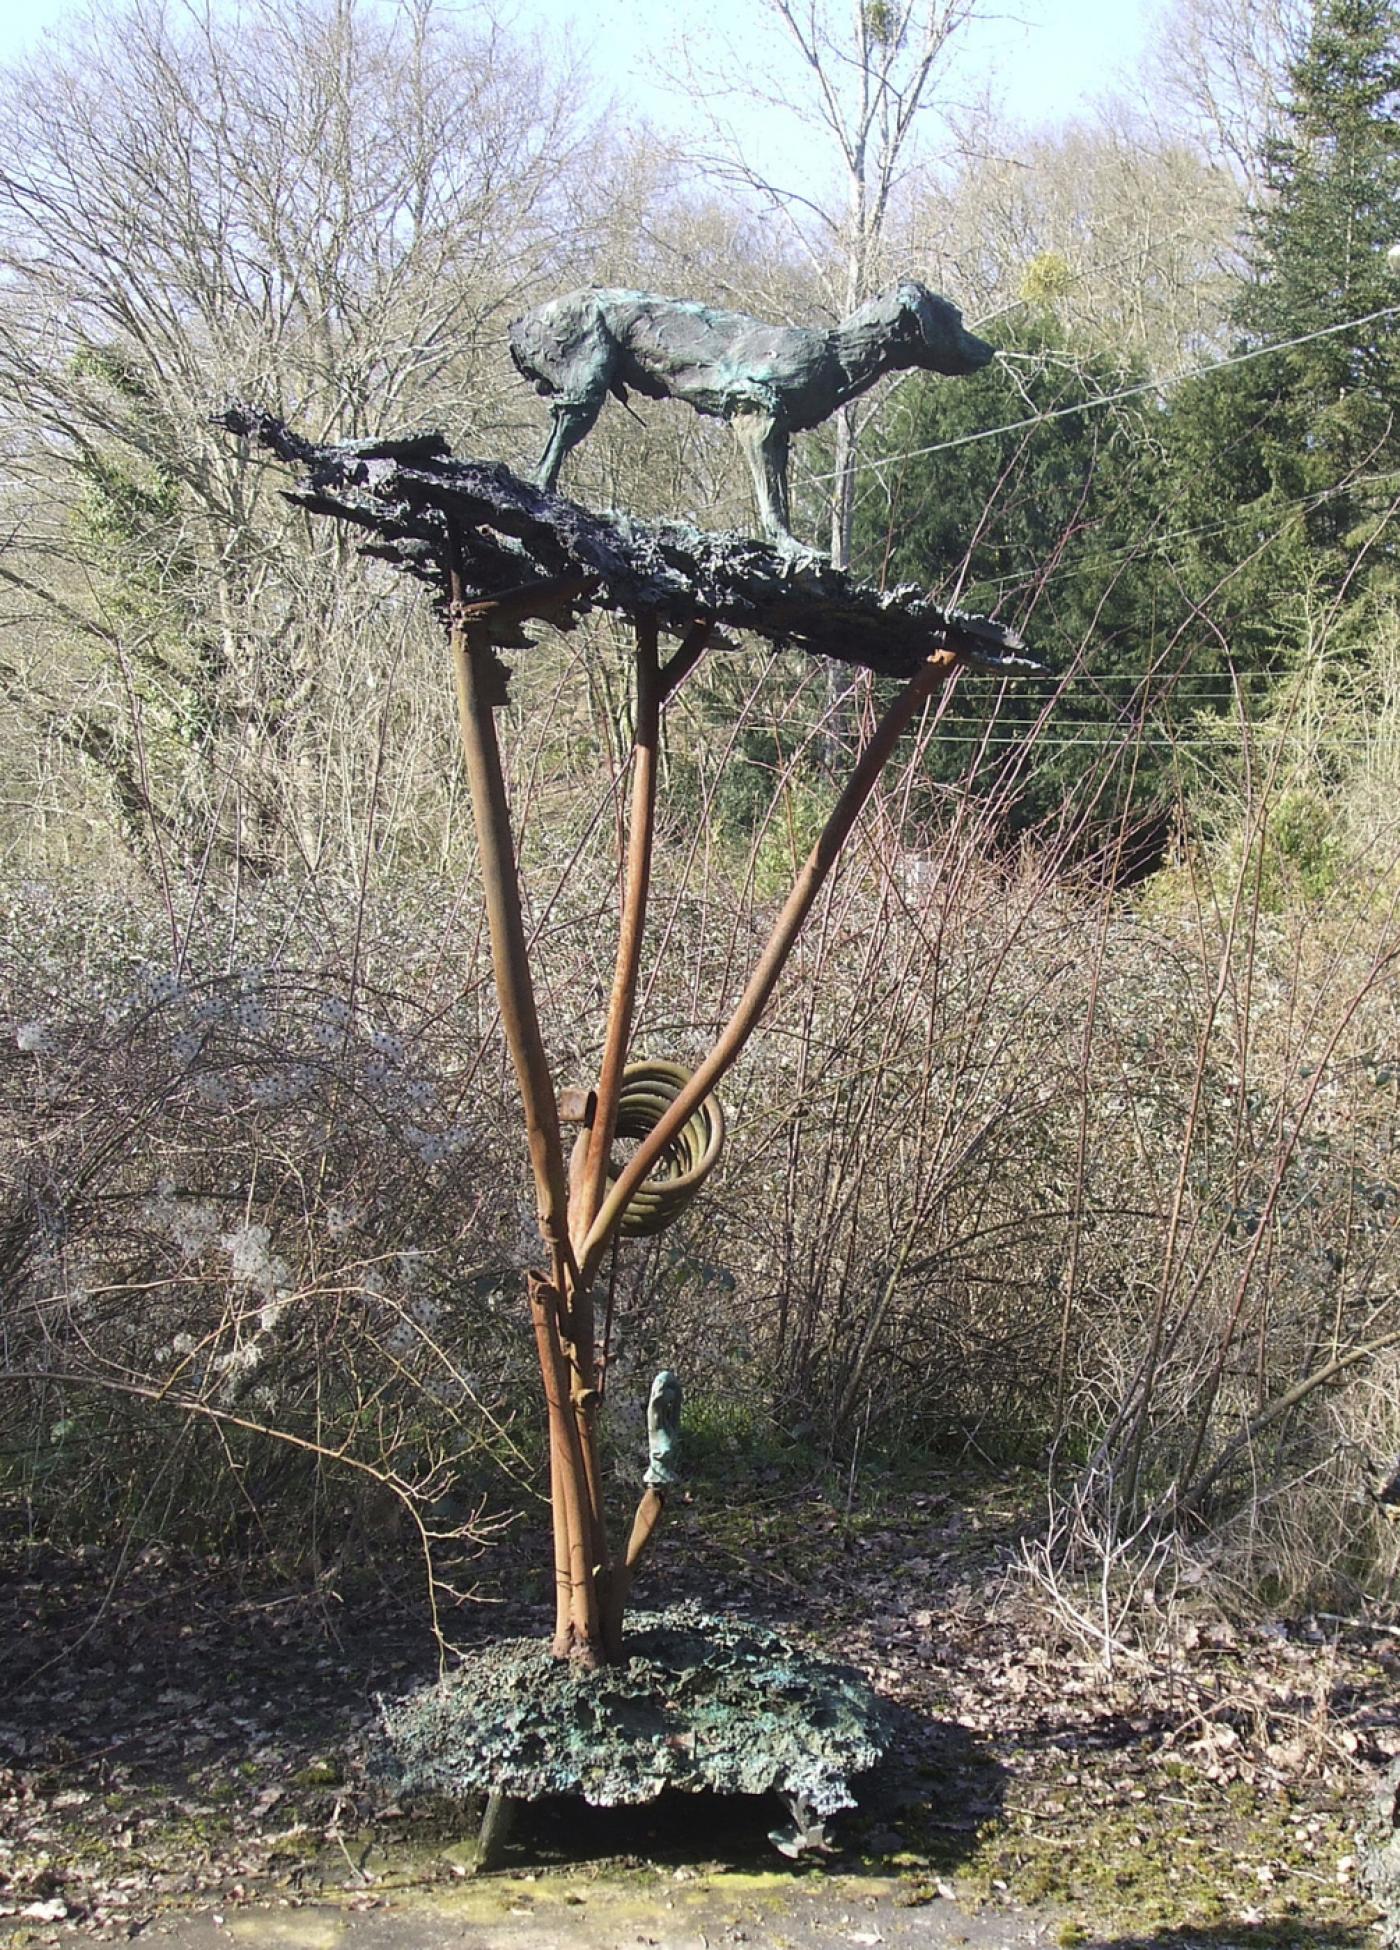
(307, 202)
(1218, 75)
(1126, 235)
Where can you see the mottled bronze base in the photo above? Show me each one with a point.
(696, 1704)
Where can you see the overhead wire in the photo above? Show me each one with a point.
(1112, 741)
(1152, 543)
(1132, 551)
(1124, 393)
(1007, 731)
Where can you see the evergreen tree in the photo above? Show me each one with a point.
(1056, 528)
(1319, 259)
(1289, 464)
(1200, 542)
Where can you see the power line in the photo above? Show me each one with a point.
(1130, 734)
(1125, 393)
(1224, 678)
(1139, 551)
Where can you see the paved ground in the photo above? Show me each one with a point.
(567, 1913)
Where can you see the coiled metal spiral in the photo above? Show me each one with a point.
(648, 1091)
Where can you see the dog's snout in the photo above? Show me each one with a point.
(949, 346)
(958, 351)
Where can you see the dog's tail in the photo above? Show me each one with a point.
(566, 347)
(529, 350)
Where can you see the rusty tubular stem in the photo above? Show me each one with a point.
(819, 862)
(689, 652)
(654, 686)
(579, 1546)
(644, 1525)
(588, 1175)
(560, 1528)
(477, 677)
(576, 1548)
(588, 1191)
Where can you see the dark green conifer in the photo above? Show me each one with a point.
(1319, 257)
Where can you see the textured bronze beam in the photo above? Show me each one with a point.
(537, 554)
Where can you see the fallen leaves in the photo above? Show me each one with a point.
(181, 1739)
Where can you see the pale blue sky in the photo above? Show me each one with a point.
(1048, 57)
(1041, 62)
(1044, 61)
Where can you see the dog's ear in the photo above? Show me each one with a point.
(913, 300)
(905, 309)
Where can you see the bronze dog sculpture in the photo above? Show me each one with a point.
(768, 381)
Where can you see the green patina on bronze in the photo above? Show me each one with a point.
(768, 381)
(697, 1703)
(664, 1432)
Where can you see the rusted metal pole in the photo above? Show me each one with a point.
(588, 1190)
(479, 683)
(644, 1523)
(684, 659)
(560, 1529)
(575, 1490)
(579, 1630)
(935, 672)
(588, 1173)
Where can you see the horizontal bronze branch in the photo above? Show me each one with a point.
(525, 555)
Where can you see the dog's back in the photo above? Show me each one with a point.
(606, 340)
(769, 381)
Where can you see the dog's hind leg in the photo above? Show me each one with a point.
(567, 350)
(570, 421)
(764, 445)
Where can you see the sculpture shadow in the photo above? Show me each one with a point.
(939, 1785)
(180, 1685)
(922, 1807)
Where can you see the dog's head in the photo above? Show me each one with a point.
(939, 340)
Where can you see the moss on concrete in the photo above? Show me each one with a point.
(1380, 1856)
(1167, 1853)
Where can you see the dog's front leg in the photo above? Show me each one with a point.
(765, 447)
